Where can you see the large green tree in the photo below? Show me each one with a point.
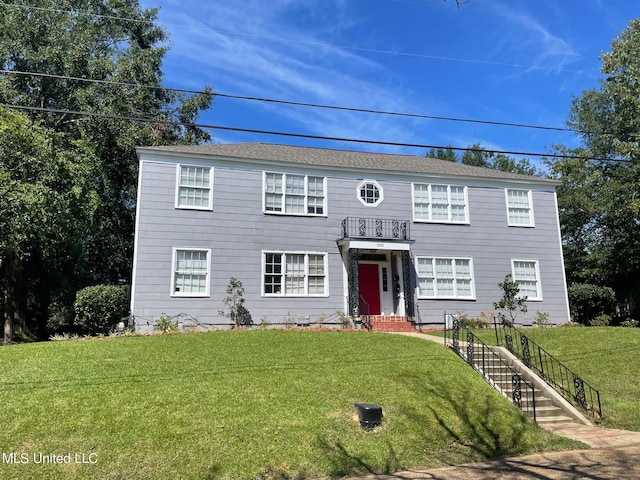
(600, 196)
(39, 216)
(120, 44)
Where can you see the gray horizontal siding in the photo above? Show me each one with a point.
(237, 231)
(493, 244)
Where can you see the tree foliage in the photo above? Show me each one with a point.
(99, 40)
(39, 215)
(446, 153)
(587, 302)
(476, 155)
(599, 198)
(235, 302)
(511, 304)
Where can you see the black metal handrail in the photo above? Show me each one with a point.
(555, 373)
(481, 357)
(375, 228)
(365, 313)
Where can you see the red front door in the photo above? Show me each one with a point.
(369, 280)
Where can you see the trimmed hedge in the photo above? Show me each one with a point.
(100, 307)
(587, 302)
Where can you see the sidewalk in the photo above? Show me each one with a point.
(615, 454)
(598, 464)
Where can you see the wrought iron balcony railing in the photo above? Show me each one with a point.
(375, 228)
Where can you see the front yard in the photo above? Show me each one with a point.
(248, 404)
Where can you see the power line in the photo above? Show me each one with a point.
(299, 104)
(298, 135)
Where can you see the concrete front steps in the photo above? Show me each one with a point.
(550, 407)
(552, 413)
(390, 323)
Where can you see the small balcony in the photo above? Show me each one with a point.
(375, 228)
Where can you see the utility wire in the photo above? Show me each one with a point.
(299, 104)
(298, 135)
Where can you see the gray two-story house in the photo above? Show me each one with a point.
(310, 232)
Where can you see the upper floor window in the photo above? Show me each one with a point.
(440, 203)
(370, 193)
(191, 269)
(195, 185)
(294, 194)
(519, 208)
(445, 278)
(527, 275)
(294, 274)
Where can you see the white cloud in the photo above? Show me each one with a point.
(254, 48)
(529, 41)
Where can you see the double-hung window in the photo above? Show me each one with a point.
(519, 208)
(527, 275)
(445, 278)
(287, 193)
(194, 189)
(191, 271)
(294, 274)
(440, 203)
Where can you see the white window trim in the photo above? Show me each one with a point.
(446, 297)
(306, 195)
(306, 293)
(191, 207)
(174, 252)
(532, 222)
(467, 219)
(538, 298)
(380, 190)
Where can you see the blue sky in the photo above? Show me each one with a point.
(517, 61)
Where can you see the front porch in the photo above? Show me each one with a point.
(378, 272)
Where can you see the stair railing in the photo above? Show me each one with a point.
(555, 373)
(480, 357)
(365, 314)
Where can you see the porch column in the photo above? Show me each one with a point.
(354, 282)
(406, 283)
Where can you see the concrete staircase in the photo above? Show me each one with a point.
(550, 407)
(390, 323)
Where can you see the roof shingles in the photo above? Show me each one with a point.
(344, 159)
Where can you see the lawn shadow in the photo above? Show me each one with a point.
(477, 424)
(213, 472)
(473, 424)
(345, 463)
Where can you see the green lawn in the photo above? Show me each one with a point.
(248, 404)
(608, 358)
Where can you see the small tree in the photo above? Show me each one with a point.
(234, 301)
(510, 305)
